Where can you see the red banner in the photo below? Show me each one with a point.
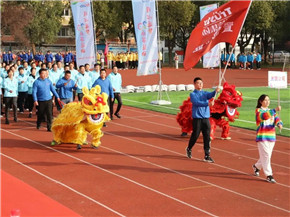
(221, 25)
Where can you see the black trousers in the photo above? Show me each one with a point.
(22, 97)
(203, 125)
(80, 96)
(30, 102)
(44, 109)
(117, 96)
(8, 102)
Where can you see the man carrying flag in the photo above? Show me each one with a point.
(220, 25)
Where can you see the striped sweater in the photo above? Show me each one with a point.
(266, 119)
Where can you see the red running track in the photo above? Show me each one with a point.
(141, 170)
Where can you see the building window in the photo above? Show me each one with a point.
(64, 32)
(66, 12)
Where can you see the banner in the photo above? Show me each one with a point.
(84, 32)
(146, 36)
(221, 25)
(277, 79)
(211, 58)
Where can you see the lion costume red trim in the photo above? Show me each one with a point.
(223, 111)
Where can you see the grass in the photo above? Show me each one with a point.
(247, 111)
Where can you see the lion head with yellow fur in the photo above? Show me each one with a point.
(77, 119)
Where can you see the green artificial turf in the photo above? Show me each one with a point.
(247, 111)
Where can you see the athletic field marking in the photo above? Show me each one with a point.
(177, 139)
(251, 122)
(115, 174)
(139, 184)
(194, 187)
(197, 179)
(166, 116)
(60, 183)
(24, 128)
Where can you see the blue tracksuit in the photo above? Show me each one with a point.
(65, 92)
(116, 80)
(42, 90)
(106, 86)
(22, 87)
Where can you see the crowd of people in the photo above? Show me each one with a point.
(243, 61)
(47, 81)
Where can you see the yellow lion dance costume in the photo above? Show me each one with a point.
(77, 119)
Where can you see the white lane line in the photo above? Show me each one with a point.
(115, 174)
(177, 139)
(62, 184)
(166, 116)
(191, 177)
(177, 109)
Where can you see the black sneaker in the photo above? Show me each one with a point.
(15, 120)
(208, 159)
(188, 153)
(48, 129)
(79, 147)
(38, 127)
(117, 115)
(30, 115)
(271, 179)
(183, 134)
(104, 125)
(256, 170)
(7, 121)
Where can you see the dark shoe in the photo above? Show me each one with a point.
(7, 121)
(256, 170)
(111, 117)
(188, 153)
(30, 115)
(208, 159)
(271, 179)
(79, 147)
(183, 134)
(38, 127)
(117, 115)
(48, 129)
(104, 125)
(15, 120)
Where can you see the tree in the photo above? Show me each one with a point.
(45, 22)
(172, 16)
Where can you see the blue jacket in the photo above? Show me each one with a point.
(94, 75)
(83, 80)
(65, 92)
(67, 58)
(5, 57)
(199, 100)
(30, 81)
(41, 90)
(10, 85)
(116, 80)
(250, 58)
(1, 85)
(58, 57)
(48, 58)
(10, 57)
(258, 58)
(25, 57)
(106, 86)
(22, 87)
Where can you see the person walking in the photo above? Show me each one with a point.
(258, 61)
(83, 80)
(22, 89)
(41, 92)
(30, 81)
(66, 86)
(266, 120)
(116, 81)
(10, 95)
(176, 58)
(106, 86)
(200, 114)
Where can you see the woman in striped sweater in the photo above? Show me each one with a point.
(266, 120)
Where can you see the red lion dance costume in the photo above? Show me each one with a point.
(223, 111)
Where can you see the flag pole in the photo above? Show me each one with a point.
(94, 27)
(223, 75)
(159, 100)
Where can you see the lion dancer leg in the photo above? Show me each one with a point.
(212, 122)
(225, 128)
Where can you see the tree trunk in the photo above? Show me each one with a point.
(33, 48)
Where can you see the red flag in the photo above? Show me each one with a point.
(220, 25)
